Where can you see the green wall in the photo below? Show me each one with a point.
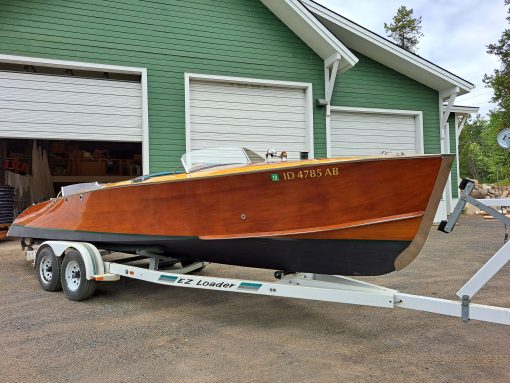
(168, 37)
(222, 37)
(372, 85)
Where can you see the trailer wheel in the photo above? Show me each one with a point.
(74, 277)
(47, 265)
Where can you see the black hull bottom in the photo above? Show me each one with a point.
(344, 257)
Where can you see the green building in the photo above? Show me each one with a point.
(115, 88)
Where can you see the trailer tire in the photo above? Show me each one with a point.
(74, 277)
(47, 265)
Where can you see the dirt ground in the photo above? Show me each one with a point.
(132, 331)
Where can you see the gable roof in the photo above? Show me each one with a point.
(309, 29)
(386, 52)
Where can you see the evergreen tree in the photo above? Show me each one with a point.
(500, 79)
(405, 29)
(480, 156)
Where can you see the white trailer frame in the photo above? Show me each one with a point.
(318, 287)
(329, 288)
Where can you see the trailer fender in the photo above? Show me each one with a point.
(91, 257)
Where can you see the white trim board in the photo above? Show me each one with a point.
(310, 30)
(36, 61)
(307, 87)
(464, 110)
(418, 118)
(387, 53)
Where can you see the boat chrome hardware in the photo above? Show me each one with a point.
(272, 153)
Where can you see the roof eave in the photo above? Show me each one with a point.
(464, 110)
(309, 29)
(389, 54)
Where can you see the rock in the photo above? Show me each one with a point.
(505, 194)
(477, 193)
(470, 209)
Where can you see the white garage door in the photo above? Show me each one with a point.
(253, 116)
(45, 106)
(358, 133)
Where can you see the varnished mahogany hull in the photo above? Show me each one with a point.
(367, 217)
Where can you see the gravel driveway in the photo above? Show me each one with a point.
(132, 331)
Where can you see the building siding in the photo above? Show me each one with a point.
(372, 85)
(169, 38)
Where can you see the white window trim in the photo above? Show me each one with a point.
(252, 81)
(37, 61)
(418, 120)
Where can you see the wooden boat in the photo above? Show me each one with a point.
(349, 216)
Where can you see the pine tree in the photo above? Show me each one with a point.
(405, 29)
(500, 79)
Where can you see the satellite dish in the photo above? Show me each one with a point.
(504, 138)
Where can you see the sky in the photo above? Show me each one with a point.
(456, 35)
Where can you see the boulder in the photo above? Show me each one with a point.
(478, 193)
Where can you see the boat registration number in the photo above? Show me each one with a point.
(304, 174)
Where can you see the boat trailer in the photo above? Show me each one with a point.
(76, 268)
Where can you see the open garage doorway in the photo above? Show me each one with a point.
(39, 168)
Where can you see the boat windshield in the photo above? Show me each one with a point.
(207, 158)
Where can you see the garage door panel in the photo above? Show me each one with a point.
(254, 136)
(79, 132)
(367, 140)
(254, 116)
(43, 106)
(375, 121)
(230, 98)
(238, 90)
(61, 97)
(209, 87)
(47, 79)
(373, 133)
(255, 145)
(99, 87)
(56, 87)
(247, 114)
(262, 130)
(48, 107)
(215, 124)
(366, 152)
(240, 106)
(359, 133)
(50, 117)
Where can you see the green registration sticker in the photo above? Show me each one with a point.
(275, 178)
